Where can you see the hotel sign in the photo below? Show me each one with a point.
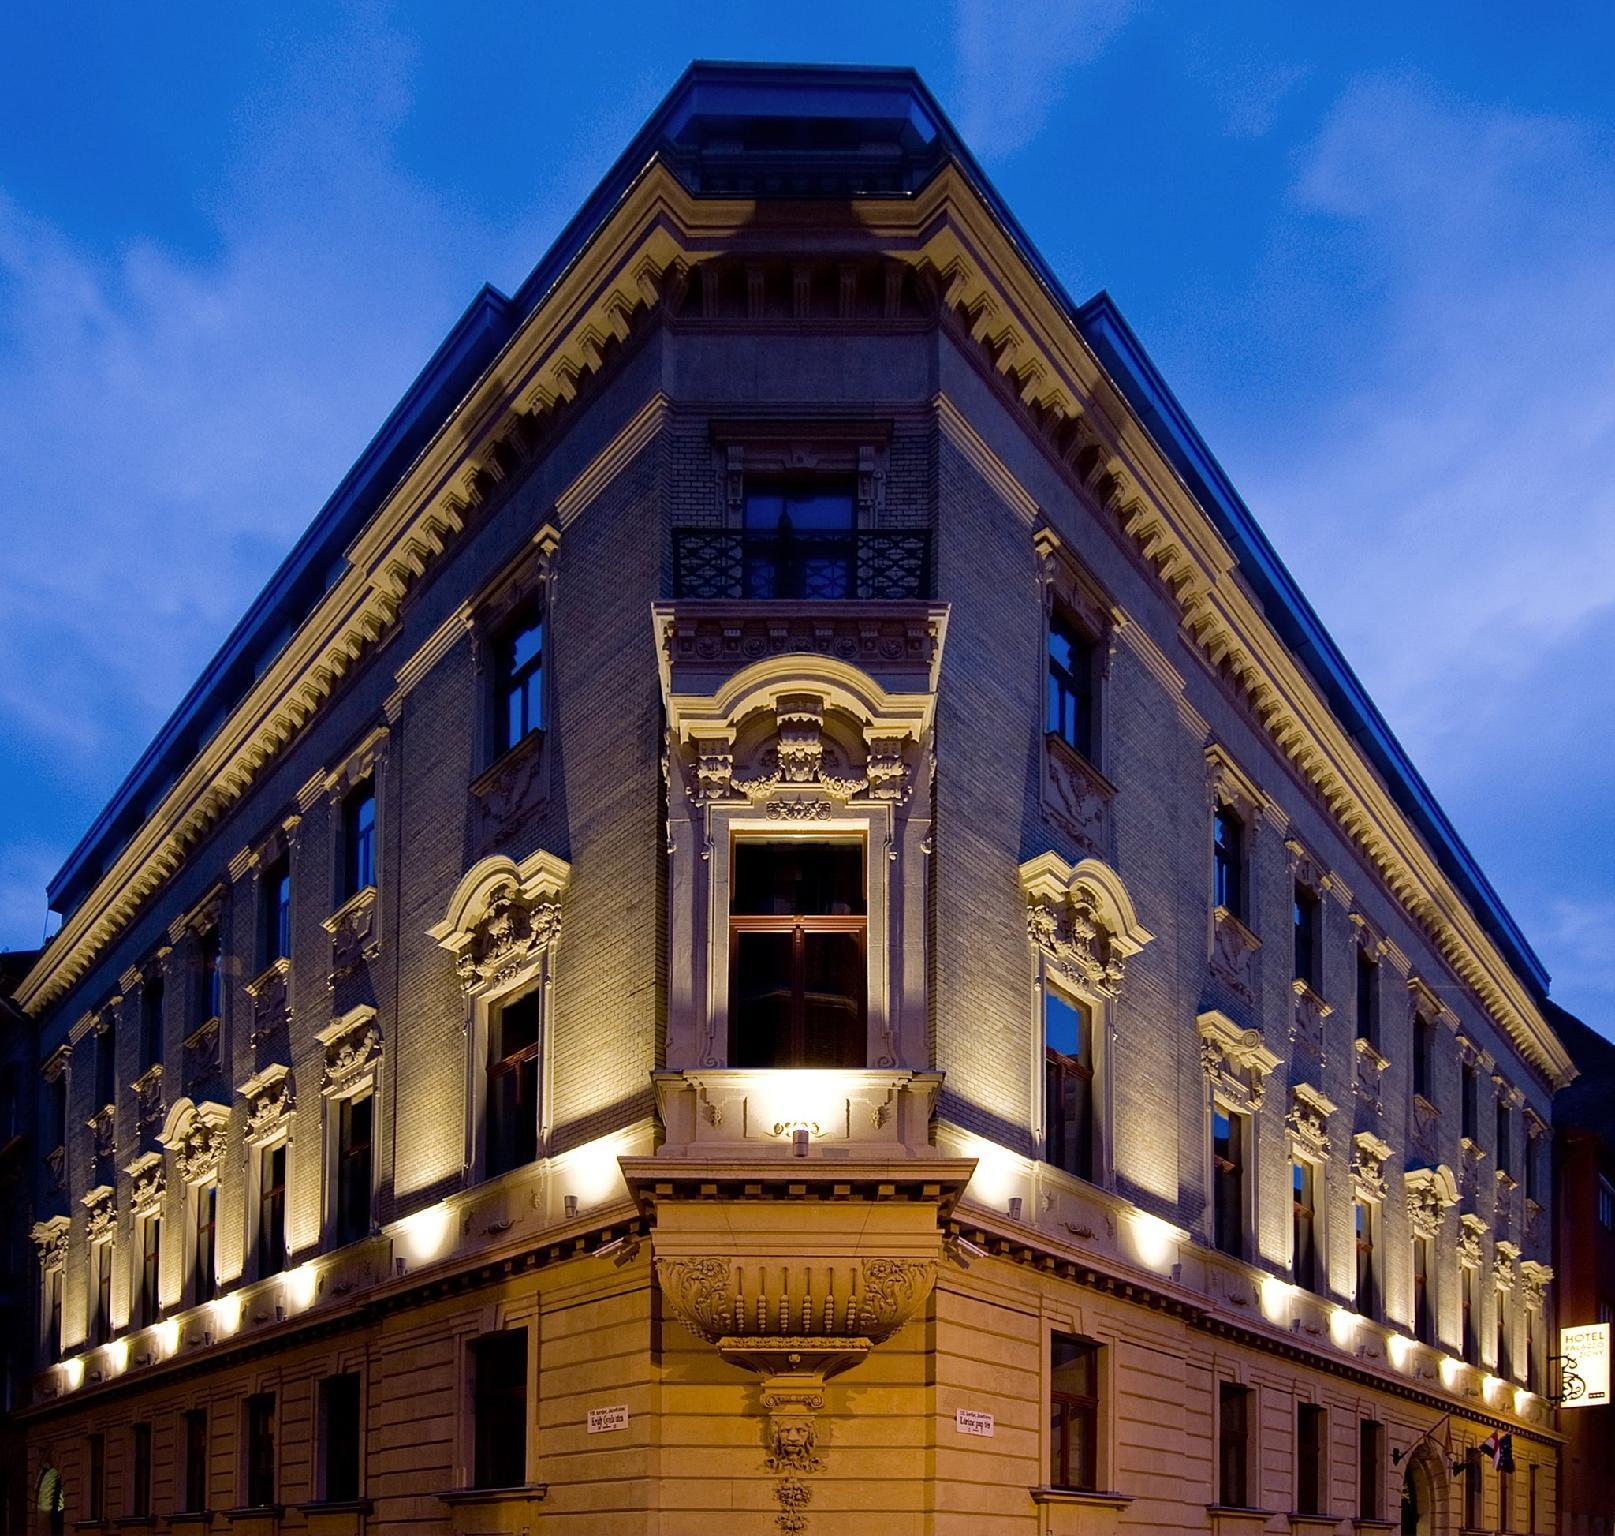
(1584, 1366)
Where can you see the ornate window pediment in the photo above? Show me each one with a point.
(1471, 1233)
(51, 1239)
(1235, 1061)
(503, 919)
(1081, 919)
(352, 1049)
(270, 1101)
(147, 1183)
(1308, 1121)
(1368, 1165)
(196, 1135)
(1534, 1281)
(1504, 1259)
(1429, 1192)
(100, 1214)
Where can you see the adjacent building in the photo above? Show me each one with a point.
(782, 919)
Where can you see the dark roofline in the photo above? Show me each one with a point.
(809, 91)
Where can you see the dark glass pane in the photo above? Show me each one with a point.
(805, 506)
(341, 1434)
(195, 1459)
(1232, 1433)
(1228, 844)
(832, 1001)
(1065, 1026)
(1074, 1366)
(499, 1364)
(1367, 980)
(516, 1028)
(151, 1020)
(272, 1212)
(353, 1176)
(760, 996)
(359, 837)
(798, 878)
(1228, 1182)
(513, 1116)
(140, 1497)
(260, 1450)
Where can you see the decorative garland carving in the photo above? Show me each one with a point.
(1504, 1258)
(1471, 1231)
(148, 1091)
(201, 1050)
(103, 1127)
(269, 1101)
(270, 994)
(1534, 1281)
(354, 940)
(1308, 1121)
(1232, 947)
(352, 1044)
(503, 920)
(196, 1135)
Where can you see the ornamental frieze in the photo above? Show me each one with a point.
(1471, 1232)
(1308, 1121)
(270, 999)
(196, 1135)
(354, 939)
(148, 1091)
(1233, 950)
(103, 1126)
(1534, 1281)
(201, 1055)
(269, 1102)
(352, 1045)
(1235, 1062)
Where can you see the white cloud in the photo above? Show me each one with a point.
(1015, 61)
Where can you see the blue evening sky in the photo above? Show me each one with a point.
(1372, 248)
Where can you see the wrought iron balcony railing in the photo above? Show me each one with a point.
(815, 565)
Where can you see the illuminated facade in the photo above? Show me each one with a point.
(783, 920)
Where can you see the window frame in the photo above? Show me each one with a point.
(259, 1475)
(100, 1293)
(1307, 934)
(146, 1288)
(1311, 1458)
(1065, 1408)
(1242, 1122)
(264, 1153)
(275, 910)
(506, 677)
(473, 1384)
(1084, 1068)
(328, 1415)
(345, 1158)
(1235, 1454)
(359, 857)
(1370, 1469)
(193, 1482)
(140, 1469)
(202, 1252)
(1367, 1002)
(1313, 1215)
(534, 1055)
(1230, 868)
(1375, 1297)
(1424, 1309)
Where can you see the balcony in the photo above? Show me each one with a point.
(881, 564)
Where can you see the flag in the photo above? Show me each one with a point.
(1501, 1450)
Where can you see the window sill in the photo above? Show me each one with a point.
(268, 1513)
(1085, 1496)
(360, 900)
(336, 1517)
(1315, 1523)
(134, 1522)
(454, 1496)
(336, 1507)
(191, 1517)
(1236, 1518)
(1363, 1524)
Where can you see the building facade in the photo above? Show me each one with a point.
(782, 920)
(1584, 1259)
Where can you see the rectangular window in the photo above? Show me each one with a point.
(1233, 1445)
(1364, 1213)
(1505, 1356)
(1423, 1300)
(512, 1113)
(260, 1449)
(1303, 1224)
(1421, 1057)
(1228, 861)
(195, 1422)
(1532, 1508)
(140, 1454)
(148, 1298)
(1469, 1341)
(1309, 1451)
(1606, 1205)
(1505, 1151)
(210, 975)
(1370, 1468)
(499, 1409)
(359, 839)
(205, 1211)
(1073, 1412)
(1070, 684)
(1472, 1490)
(151, 1021)
(1228, 1135)
(799, 539)
(355, 1125)
(106, 1063)
(341, 1437)
(519, 708)
(1068, 1083)
(100, 1292)
(275, 911)
(1505, 1498)
(797, 965)
(51, 1302)
(96, 1494)
(271, 1209)
(1305, 915)
(1367, 998)
(1470, 1103)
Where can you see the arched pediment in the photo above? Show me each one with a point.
(503, 916)
(1081, 919)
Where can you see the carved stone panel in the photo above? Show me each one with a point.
(1368, 1165)
(1306, 1026)
(100, 1214)
(269, 1102)
(148, 1091)
(503, 920)
(147, 1182)
(513, 789)
(104, 1134)
(1426, 1128)
(270, 1004)
(1233, 952)
(51, 1239)
(1077, 797)
(1430, 1192)
(1235, 1062)
(1308, 1121)
(354, 940)
(202, 1047)
(1369, 1072)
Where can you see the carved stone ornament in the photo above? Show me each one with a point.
(793, 1401)
(1306, 1024)
(1534, 1281)
(270, 999)
(503, 920)
(103, 1126)
(1426, 1126)
(100, 1214)
(1235, 1061)
(269, 1101)
(56, 1171)
(354, 940)
(1080, 919)
(196, 1135)
(1077, 796)
(51, 1239)
(352, 1044)
(148, 1091)
(801, 752)
(1308, 1121)
(1370, 1070)
(1429, 1192)
(202, 1054)
(1471, 1233)
(1233, 947)
(1368, 1165)
(1504, 1258)
(147, 1183)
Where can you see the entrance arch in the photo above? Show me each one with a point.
(1426, 1495)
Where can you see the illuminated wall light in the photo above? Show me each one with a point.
(999, 1174)
(1522, 1401)
(73, 1372)
(425, 1235)
(227, 1314)
(302, 1285)
(1399, 1349)
(591, 1172)
(1155, 1241)
(118, 1354)
(1343, 1328)
(1451, 1372)
(1492, 1386)
(166, 1333)
(1276, 1296)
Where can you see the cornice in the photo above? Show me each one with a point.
(987, 289)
